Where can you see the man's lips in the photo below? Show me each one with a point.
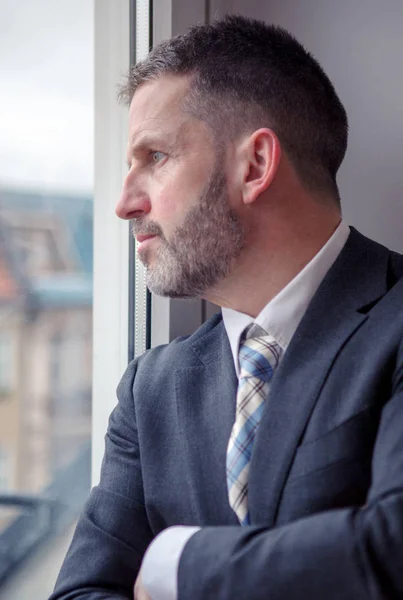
(143, 241)
(143, 238)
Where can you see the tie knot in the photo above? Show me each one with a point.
(258, 357)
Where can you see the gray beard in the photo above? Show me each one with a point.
(202, 250)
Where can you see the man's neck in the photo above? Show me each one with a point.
(263, 272)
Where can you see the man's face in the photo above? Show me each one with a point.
(176, 193)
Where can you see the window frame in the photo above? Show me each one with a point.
(124, 31)
(111, 239)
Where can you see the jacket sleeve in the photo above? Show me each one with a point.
(350, 554)
(112, 533)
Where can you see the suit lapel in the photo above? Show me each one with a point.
(357, 279)
(205, 396)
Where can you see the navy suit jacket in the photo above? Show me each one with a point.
(326, 477)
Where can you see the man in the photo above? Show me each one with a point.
(273, 436)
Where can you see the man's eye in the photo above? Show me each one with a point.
(157, 156)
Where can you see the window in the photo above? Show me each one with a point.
(46, 285)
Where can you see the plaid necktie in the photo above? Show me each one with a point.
(258, 358)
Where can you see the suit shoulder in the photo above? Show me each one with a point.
(148, 374)
(376, 251)
(396, 267)
(179, 351)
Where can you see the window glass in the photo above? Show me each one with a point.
(46, 236)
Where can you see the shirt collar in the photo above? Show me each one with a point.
(282, 315)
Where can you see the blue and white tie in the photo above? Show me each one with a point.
(258, 359)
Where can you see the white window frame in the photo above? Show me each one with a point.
(111, 238)
(111, 235)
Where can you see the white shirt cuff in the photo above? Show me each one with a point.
(159, 571)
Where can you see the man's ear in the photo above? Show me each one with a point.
(263, 153)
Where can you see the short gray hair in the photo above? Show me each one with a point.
(245, 74)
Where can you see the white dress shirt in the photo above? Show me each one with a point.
(280, 318)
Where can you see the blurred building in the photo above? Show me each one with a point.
(45, 352)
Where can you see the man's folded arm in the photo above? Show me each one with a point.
(112, 533)
(354, 553)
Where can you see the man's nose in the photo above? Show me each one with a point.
(133, 202)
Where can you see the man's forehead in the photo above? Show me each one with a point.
(158, 103)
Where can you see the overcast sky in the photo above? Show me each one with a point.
(46, 94)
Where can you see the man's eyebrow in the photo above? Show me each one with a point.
(146, 141)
